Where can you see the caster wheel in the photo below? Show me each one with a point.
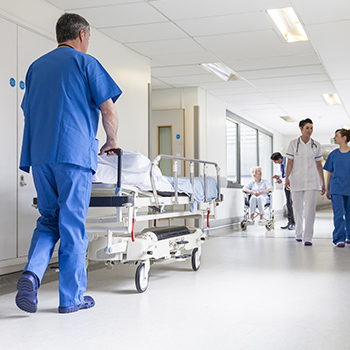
(141, 278)
(196, 259)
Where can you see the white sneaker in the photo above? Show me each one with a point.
(250, 222)
(262, 222)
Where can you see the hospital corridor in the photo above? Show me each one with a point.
(175, 174)
(254, 290)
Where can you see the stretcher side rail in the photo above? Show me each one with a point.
(175, 161)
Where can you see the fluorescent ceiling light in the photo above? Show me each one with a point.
(288, 24)
(221, 70)
(332, 99)
(288, 119)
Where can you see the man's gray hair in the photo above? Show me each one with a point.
(69, 26)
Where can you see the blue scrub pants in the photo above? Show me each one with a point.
(63, 200)
(341, 217)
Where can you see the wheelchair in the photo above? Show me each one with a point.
(268, 212)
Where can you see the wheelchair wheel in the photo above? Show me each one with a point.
(243, 225)
(268, 226)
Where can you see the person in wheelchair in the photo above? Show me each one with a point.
(258, 190)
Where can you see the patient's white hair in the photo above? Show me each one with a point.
(254, 169)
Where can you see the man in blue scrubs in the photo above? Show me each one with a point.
(66, 90)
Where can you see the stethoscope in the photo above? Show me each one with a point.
(298, 143)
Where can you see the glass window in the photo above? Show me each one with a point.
(249, 152)
(164, 147)
(247, 145)
(265, 151)
(232, 150)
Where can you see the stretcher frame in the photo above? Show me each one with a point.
(112, 238)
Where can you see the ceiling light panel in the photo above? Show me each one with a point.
(221, 70)
(288, 24)
(332, 99)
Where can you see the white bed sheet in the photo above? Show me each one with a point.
(136, 172)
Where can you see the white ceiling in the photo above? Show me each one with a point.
(277, 79)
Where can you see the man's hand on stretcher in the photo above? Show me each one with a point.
(109, 148)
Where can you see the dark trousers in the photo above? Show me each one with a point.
(290, 214)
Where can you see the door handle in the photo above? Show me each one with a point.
(22, 183)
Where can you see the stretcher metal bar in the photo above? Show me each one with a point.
(175, 167)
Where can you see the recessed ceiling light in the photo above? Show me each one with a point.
(288, 119)
(221, 70)
(332, 99)
(288, 24)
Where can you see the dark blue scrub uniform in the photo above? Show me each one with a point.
(64, 90)
(338, 164)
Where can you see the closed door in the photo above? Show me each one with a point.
(30, 47)
(8, 133)
(167, 137)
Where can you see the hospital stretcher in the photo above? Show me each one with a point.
(113, 239)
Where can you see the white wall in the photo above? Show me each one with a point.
(130, 70)
(212, 139)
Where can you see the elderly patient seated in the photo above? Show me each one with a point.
(258, 188)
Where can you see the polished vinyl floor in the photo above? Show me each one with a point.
(255, 290)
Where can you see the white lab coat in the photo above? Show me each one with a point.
(304, 175)
(304, 184)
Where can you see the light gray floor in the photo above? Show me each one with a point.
(255, 290)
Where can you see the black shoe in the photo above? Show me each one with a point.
(291, 227)
(285, 227)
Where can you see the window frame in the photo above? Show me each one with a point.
(239, 121)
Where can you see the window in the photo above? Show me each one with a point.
(248, 152)
(247, 145)
(265, 148)
(232, 150)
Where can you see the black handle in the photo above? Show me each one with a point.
(119, 153)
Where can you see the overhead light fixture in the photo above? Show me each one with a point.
(288, 24)
(221, 70)
(332, 99)
(288, 119)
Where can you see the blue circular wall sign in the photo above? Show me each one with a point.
(12, 82)
(178, 136)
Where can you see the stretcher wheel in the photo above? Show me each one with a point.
(196, 259)
(243, 225)
(141, 278)
(268, 226)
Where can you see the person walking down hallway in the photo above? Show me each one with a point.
(338, 187)
(66, 90)
(304, 177)
(277, 158)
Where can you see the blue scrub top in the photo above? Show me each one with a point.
(283, 167)
(338, 164)
(64, 90)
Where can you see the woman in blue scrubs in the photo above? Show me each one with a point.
(338, 187)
